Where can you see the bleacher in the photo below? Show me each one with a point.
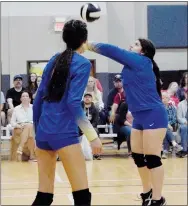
(5, 143)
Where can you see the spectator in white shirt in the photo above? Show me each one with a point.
(3, 117)
(96, 94)
(22, 122)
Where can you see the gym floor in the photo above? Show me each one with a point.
(113, 180)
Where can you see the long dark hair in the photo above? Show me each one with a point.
(182, 81)
(32, 85)
(74, 35)
(149, 50)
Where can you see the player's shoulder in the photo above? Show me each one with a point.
(81, 63)
(82, 59)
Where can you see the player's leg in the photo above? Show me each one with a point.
(46, 160)
(75, 167)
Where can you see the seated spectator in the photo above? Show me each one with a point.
(13, 95)
(182, 119)
(92, 113)
(96, 94)
(172, 90)
(172, 121)
(99, 86)
(39, 79)
(183, 87)
(117, 88)
(3, 117)
(118, 99)
(23, 132)
(32, 84)
(122, 126)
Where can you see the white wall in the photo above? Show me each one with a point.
(28, 33)
(121, 23)
(45, 8)
(121, 28)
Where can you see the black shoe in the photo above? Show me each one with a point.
(146, 197)
(182, 154)
(160, 202)
(97, 157)
(43, 199)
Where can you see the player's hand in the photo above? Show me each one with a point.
(85, 46)
(96, 146)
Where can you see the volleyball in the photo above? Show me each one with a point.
(90, 12)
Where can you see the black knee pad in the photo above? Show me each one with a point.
(139, 159)
(153, 161)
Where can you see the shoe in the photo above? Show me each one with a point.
(97, 157)
(178, 148)
(170, 150)
(164, 156)
(183, 154)
(146, 197)
(160, 202)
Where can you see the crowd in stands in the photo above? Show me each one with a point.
(16, 111)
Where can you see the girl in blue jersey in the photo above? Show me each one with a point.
(57, 113)
(141, 82)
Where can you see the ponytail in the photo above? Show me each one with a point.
(58, 82)
(158, 78)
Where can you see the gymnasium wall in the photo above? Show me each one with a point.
(28, 34)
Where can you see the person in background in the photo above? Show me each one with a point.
(182, 120)
(93, 115)
(22, 122)
(123, 126)
(183, 86)
(118, 99)
(118, 85)
(172, 122)
(99, 86)
(96, 94)
(39, 79)
(3, 116)
(14, 95)
(32, 84)
(172, 90)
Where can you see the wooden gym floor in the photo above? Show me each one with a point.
(112, 180)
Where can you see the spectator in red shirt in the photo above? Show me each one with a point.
(118, 99)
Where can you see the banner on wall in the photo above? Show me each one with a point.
(37, 67)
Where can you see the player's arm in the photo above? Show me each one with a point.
(76, 89)
(37, 103)
(122, 56)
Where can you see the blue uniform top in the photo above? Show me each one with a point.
(61, 119)
(139, 80)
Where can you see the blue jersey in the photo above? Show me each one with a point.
(139, 80)
(61, 119)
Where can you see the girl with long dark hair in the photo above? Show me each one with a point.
(57, 115)
(142, 85)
